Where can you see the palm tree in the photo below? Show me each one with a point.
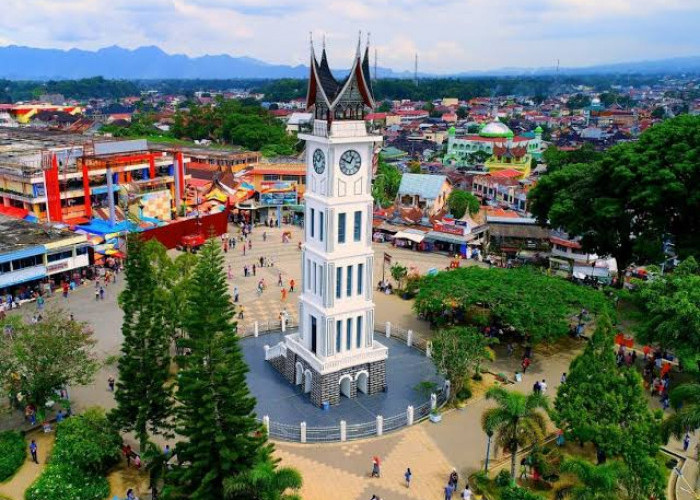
(265, 481)
(515, 421)
(686, 399)
(595, 482)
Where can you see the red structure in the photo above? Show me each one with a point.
(53, 191)
(171, 235)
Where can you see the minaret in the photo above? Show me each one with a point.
(334, 353)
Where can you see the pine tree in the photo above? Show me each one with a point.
(222, 438)
(143, 394)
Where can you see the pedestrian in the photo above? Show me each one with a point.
(166, 451)
(102, 293)
(407, 476)
(33, 449)
(250, 244)
(536, 387)
(291, 285)
(563, 378)
(509, 348)
(262, 260)
(449, 490)
(235, 294)
(130, 495)
(244, 250)
(229, 272)
(454, 480)
(253, 269)
(60, 416)
(264, 236)
(279, 279)
(543, 386)
(40, 303)
(375, 467)
(466, 492)
(525, 363)
(97, 294)
(686, 442)
(126, 451)
(110, 384)
(284, 294)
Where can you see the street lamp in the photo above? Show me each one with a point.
(489, 434)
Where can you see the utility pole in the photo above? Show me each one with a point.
(415, 71)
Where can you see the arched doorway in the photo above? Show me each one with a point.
(298, 374)
(362, 381)
(346, 385)
(307, 381)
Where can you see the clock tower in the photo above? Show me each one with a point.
(334, 352)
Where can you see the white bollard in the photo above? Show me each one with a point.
(380, 425)
(267, 354)
(409, 338)
(302, 428)
(429, 350)
(255, 329)
(343, 430)
(433, 401)
(448, 387)
(409, 415)
(388, 329)
(266, 424)
(284, 324)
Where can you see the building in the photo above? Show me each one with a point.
(510, 159)
(503, 189)
(427, 193)
(31, 254)
(515, 236)
(462, 150)
(334, 353)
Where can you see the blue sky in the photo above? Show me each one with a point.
(448, 35)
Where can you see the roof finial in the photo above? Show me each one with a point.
(368, 37)
(311, 39)
(324, 41)
(359, 41)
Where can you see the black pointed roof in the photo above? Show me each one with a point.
(328, 82)
(366, 72)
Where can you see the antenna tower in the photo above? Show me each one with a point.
(375, 65)
(415, 71)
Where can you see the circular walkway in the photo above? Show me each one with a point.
(286, 404)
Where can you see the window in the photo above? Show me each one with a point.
(5, 267)
(357, 229)
(308, 274)
(320, 226)
(81, 250)
(338, 282)
(348, 334)
(315, 279)
(312, 222)
(341, 228)
(36, 260)
(60, 256)
(360, 272)
(358, 337)
(271, 177)
(338, 336)
(348, 282)
(313, 334)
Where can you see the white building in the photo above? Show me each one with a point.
(334, 352)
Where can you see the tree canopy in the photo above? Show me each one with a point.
(536, 305)
(386, 184)
(635, 196)
(671, 312)
(462, 202)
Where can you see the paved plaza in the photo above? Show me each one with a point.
(340, 470)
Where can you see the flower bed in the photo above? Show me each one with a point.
(13, 453)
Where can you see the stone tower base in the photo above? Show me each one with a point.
(369, 378)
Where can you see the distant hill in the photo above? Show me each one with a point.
(27, 63)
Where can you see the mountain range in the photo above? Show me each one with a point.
(151, 62)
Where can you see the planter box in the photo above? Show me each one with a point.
(435, 418)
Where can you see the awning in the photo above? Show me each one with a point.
(450, 238)
(411, 236)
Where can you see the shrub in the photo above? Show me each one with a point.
(62, 481)
(516, 493)
(87, 442)
(503, 478)
(464, 394)
(12, 453)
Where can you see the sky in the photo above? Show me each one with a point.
(449, 36)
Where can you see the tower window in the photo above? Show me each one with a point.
(338, 282)
(348, 334)
(358, 338)
(360, 272)
(357, 229)
(338, 336)
(312, 222)
(341, 228)
(348, 282)
(320, 226)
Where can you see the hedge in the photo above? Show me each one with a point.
(86, 447)
(13, 453)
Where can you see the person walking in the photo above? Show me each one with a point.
(537, 388)
(407, 476)
(543, 386)
(449, 490)
(235, 294)
(229, 272)
(454, 480)
(250, 244)
(33, 448)
(262, 261)
(102, 293)
(526, 362)
(686, 442)
(291, 285)
(279, 279)
(563, 378)
(97, 294)
(253, 269)
(284, 294)
(110, 384)
(466, 493)
(375, 467)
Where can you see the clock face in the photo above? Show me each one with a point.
(350, 162)
(319, 160)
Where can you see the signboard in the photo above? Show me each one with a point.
(58, 266)
(279, 193)
(448, 228)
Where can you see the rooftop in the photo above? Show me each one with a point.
(424, 185)
(16, 234)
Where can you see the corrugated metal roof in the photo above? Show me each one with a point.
(117, 147)
(424, 185)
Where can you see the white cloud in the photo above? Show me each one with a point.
(448, 35)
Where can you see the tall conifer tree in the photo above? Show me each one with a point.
(222, 438)
(144, 396)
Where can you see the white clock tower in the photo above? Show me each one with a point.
(334, 352)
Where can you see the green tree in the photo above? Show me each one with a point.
(594, 482)
(143, 394)
(516, 421)
(557, 159)
(462, 202)
(686, 400)
(386, 184)
(384, 107)
(658, 113)
(38, 360)
(671, 312)
(457, 353)
(399, 273)
(538, 306)
(462, 112)
(265, 481)
(578, 101)
(220, 436)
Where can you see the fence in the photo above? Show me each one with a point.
(343, 431)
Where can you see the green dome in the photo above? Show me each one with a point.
(452, 131)
(538, 130)
(496, 129)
